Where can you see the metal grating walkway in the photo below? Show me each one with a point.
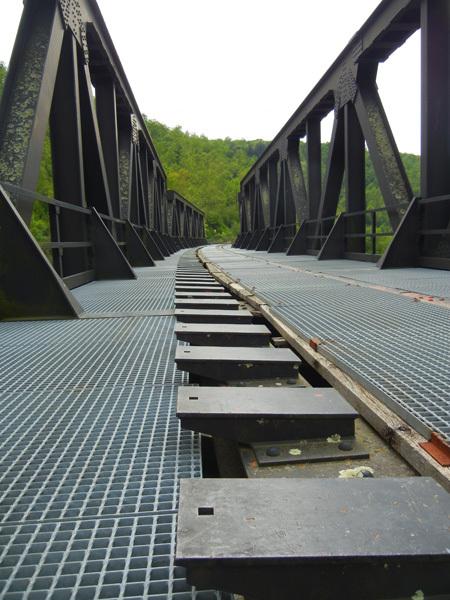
(91, 451)
(397, 347)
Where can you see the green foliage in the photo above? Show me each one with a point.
(2, 76)
(206, 172)
(40, 223)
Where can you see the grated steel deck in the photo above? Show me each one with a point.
(397, 347)
(115, 558)
(91, 451)
(87, 353)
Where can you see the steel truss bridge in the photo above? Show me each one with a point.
(269, 419)
(284, 211)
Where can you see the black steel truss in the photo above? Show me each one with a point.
(111, 209)
(282, 210)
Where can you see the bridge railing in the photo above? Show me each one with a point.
(76, 254)
(364, 235)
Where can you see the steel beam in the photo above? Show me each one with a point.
(109, 260)
(27, 96)
(195, 315)
(367, 538)
(384, 153)
(220, 334)
(232, 364)
(137, 253)
(355, 179)
(253, 414)
(33, 291)
(435, 141)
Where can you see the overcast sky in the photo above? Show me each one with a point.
(239, 68)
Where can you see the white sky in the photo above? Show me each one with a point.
(239, 68)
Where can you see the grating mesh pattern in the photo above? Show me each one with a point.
(428, 282)
(116, 558)
(398, 348)
(97, 453)
(88, 353)
(143, 294)
(91, 450)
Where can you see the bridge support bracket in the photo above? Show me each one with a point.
(30, 286)
(299, 243)
(138, 255)
(403, 249)
(152, 244)
(334, 246)
(278, 243)
(264, 241)
(109, 260)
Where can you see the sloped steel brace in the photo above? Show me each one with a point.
(109, 260)
(246, 239)
(237, 243)
(278, 243)
(33, 291)
(137, 253)
(152, 244)
(334, 245)
(254, 240)
(300, 242)
(264, 240)
(161, 243)
(403, 249)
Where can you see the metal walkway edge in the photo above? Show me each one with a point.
(91, 452)
(385, 340)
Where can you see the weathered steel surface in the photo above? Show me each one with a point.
(265, 414)
(223, 334)
(203, 315)
(219, 304)
(266, 546)
(208, 295)
(228, 364)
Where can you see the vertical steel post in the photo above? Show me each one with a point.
(355, 178)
